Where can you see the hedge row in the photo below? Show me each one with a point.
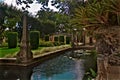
(12, 39)
(34, 39)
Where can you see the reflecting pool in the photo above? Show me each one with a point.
(63, 67)
(67, 66)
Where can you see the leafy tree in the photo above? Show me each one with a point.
(47, 15)
(97, 16)
(64, 6)
(9, 16)
(62, 17)
(48, 27)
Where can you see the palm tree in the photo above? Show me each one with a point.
(114, 8)
(101, 18)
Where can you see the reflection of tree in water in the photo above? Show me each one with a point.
(57, 65)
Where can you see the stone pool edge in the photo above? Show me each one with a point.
(35, 61)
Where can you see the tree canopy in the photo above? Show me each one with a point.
(9, 16)
(103, 13)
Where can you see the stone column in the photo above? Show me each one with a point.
(102, 62)
(25, 55)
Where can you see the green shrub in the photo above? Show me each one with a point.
(4, 44)
(34, 39)
(61, 43)
(90, 65)
(46, 38)
(56, 43)
(46, 44)
(68, 39)
(12, 39)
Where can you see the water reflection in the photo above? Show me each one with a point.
(15, 73)
(63, 67)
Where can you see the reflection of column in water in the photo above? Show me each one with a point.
(36, 76)
(49, 78)
(39, 77)
(79, 69)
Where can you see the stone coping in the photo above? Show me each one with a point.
(88, 47)
(39, 58)
(35, 61)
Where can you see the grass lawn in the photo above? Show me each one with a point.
(6, 52)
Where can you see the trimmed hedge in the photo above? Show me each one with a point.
(34, 39)
(46, 38)
(45, 43)
(12, 39)
(68, 39)
(56, 43)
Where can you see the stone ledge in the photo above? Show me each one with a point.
(35, 61)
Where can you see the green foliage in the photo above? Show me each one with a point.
(47, 38)
(48, 27)
(9, 16)
(97, 14)
(93, 73)
(68, 39)
(51, 20)
(6, 52)
(4, 44)
(90, 75)
(43, 50)
(90, 65)
(45, 43)
(34, 39)
(56, 43)
(12, 39)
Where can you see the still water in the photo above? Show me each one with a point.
(63, 67)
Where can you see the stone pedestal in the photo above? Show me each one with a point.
(25, 55)
(102, 62)
(109, 49)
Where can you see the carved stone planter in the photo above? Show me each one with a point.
(108, 48)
